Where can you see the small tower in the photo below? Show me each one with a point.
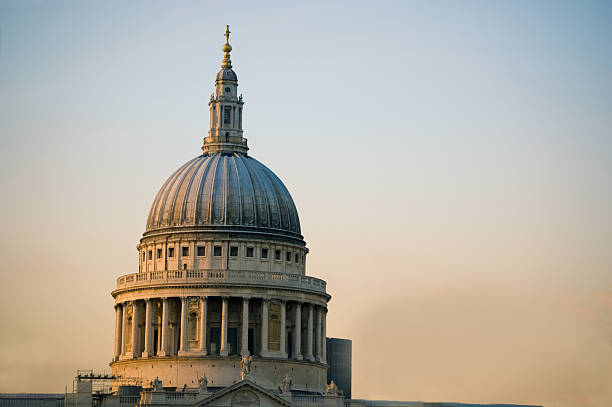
(225, 133)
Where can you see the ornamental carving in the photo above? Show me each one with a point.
(245, 398)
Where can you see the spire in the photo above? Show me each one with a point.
(225, 131)
(227, 48)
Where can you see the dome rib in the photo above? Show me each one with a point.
(186, 202)
(250, 204)
(175, 191)
(237, 200)
(195, 199)
(224, 190)
(162, 196)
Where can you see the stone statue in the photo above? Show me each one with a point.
(286, 384)
(157, 384)
(203, 383)
(245, 366)
(331, 389)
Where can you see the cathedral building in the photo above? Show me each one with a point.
(222, 272)
(221, 311)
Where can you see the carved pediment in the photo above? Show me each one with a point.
(244, 394)
(245, 398)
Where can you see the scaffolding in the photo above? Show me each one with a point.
(101, 383)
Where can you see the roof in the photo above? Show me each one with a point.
(225, 190)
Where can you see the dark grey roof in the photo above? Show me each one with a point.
(224, 190)
(227, 74)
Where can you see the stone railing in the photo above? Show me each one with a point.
(131, 400)
(187, 397)
(308, 400)
(221, 277)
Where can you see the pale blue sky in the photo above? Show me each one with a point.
(436, 151)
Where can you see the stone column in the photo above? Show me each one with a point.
(164, 329)
(309, 330)
(224, 311)
(324, 335)
(135, 333)
(297, 332)
(148, 349)
(264, 327)
(318, 334)
(183, 340)
(203, 311)
(118, 330)
(283, 329)
(245, 327)
(124, 331)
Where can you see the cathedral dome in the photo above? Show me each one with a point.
(217, 191)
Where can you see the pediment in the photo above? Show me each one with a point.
(244, 394)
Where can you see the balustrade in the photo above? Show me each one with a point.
(221, 276)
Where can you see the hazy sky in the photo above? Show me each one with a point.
(451, 163)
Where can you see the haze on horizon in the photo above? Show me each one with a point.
(451, 163)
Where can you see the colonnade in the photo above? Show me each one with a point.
(138, 336)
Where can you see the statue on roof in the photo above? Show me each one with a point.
(203, 381)
(286, 384)
(331, 389)
(245, 366)
(157, 384)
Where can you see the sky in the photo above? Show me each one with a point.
(451, 162)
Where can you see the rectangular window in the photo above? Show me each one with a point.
(249, 252)
(217, 251)
(288, 256)
(234, 251)
(201, 251)
(277, 254)
(144, 256)
(297, 258)
(240, 118)
(264, 252)
(171, 252)
(150, 254)
(159, 253)
(185, 251)
(303, 258)
(227, 115)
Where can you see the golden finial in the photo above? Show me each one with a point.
(227, 62)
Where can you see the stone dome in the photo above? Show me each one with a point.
(217, 191)
(227, 74)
